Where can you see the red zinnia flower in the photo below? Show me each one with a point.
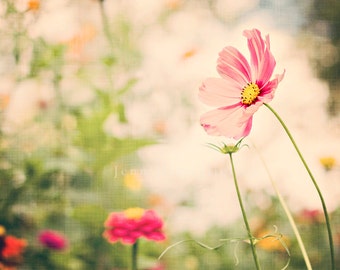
(52, 239)
(242, 89)
(132, 224)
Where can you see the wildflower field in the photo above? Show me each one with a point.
(169, 135)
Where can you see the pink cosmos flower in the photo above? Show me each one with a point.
(132, 224)
(52, 239)
(243, 88)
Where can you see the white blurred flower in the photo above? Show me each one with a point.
(229, 9)
(28, 98)
(57, 22)
(75, 92)
(116, 128)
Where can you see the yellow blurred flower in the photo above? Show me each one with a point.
(132, 181)
(2, 230)
(189, 53)
(328, 162)
(173, 4)
(77, 43)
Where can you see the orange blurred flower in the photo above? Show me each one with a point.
(77, 43)
(272, 242)
(4, 101)
(11, 250)
(160, 127)
(173, 4)
(13, 246)
(33, 4)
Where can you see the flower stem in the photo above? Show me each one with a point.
(289, 216)
(330, 238)
(251, 239)
(134, 253)
(106, 26)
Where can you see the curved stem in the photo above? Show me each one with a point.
(251, 239)
(330, 238)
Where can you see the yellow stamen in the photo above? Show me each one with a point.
(134, 213)
(250, 93)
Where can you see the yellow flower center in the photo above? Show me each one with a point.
(250, 93)
(134, 213)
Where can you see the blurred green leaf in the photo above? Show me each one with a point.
(90, 215)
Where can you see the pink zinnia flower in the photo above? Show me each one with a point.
(243, 88)
(52, 239)
(132, 224)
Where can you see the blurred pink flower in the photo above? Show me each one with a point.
(311, 216)
(158, 266)
(242, 89)
(52, 239)
(131, 224)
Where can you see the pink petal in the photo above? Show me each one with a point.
(128, 240)
(114, 219)
(219, 92)
(262, 60)
(110, 237)
(229, 121)
(119, 232)
(266, 68)
(268, 91)
(156, 236)
(232, 65)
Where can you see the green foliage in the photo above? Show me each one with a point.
(103, 148)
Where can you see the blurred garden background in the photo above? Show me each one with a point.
(99, 113)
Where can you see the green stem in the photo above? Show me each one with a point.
(134, 254)
(106, 26)
(251, 239)
(330, 238)
(289, 216)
